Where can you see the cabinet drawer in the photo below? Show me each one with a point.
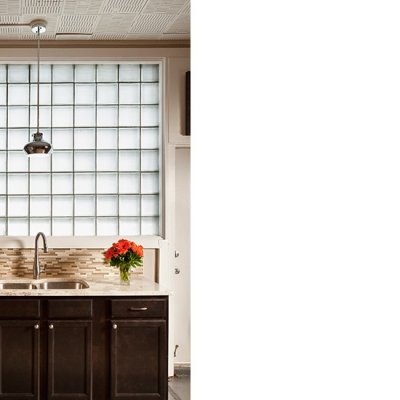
(138, 308)
(19, 308)
(71, 308)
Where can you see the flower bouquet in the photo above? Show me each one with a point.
(124, 255)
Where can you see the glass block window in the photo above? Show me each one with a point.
(103, 177)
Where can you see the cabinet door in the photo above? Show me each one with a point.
(69, 360)
(139, 360)
(19, 359)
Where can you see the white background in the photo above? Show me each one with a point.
(296, 200)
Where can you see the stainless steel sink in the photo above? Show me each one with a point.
(61, 284)
(44, 284)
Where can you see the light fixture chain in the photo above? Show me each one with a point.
(38, 77)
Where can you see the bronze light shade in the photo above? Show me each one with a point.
(38, 146)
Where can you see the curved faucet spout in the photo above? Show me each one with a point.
(36, 264)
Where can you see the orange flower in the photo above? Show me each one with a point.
(133, 247)
(109, 253)
(139, 251)
(123, 246)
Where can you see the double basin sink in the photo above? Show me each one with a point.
(46, 284)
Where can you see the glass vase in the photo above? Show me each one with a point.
(124, 276)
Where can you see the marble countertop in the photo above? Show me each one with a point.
(139, 286)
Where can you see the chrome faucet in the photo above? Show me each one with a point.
(36, 265)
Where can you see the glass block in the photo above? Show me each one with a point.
(150, 206)
(149, 116)
(17, 183)
(3, 181)
(39, 184)
(149, 160)
(63, 206)
(129, 116)
(85, 116)
(3, 142)
(62, 183)
(85, 73)
(18, 138)
(85, 138)
(107, 160)
(129, 93)
(129, 183)
(85, 206)
(44, 93)
(17, 161)
(150, 183)
(150, 138)
(63, 73)
(107, 183)
(44, 73)
(84, 226)
(107, 116)
(18, 94)
(62, 116)
(17, 116)
(150, 226)
(129, 206)
(3, 94)
(129, 73)
(63, 94)
(62, 161)
(3, 73)
(106, 73)
(85, 160)
(3, 160)
(107, 138)
(129, 138)
(85, 94)
(129, 226)
(44, 117)
(18, 206)
(3, 115)
(40, 164)
(40, 225)
(62, 139)
(62, 227)
(149, 72)
(40, 206)
(107, 226)
(129, 160)
(150, 93)
(85, 183)
(3, 201)
(107, 205)
(18, 227)
(18, 73)
(3, 226)
(107, 93)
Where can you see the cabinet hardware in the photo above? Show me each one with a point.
(115, 326)
(51, 326)
(177, 254)
(177, 271)
(36, 326)
(137, 308)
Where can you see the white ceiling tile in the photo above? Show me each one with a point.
(152, 23)
(43, 36)
(41, 7)
(180, 25)
(77, 23)
(10, 19)
(119, 23)
(164, 6)
(109, 36)
(149, 36)
(88, 7)
(10, 7)
(185, 10)
(122, 6)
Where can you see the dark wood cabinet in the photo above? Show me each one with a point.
(85, 348)
(19, 359)
(138, 368)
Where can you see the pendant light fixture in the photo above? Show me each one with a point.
(38, 147)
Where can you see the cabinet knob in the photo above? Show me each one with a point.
(51, 326)
(36, 326)
(115, 326)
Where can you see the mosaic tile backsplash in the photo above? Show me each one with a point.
(79, 263)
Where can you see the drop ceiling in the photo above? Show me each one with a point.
(97, 19)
